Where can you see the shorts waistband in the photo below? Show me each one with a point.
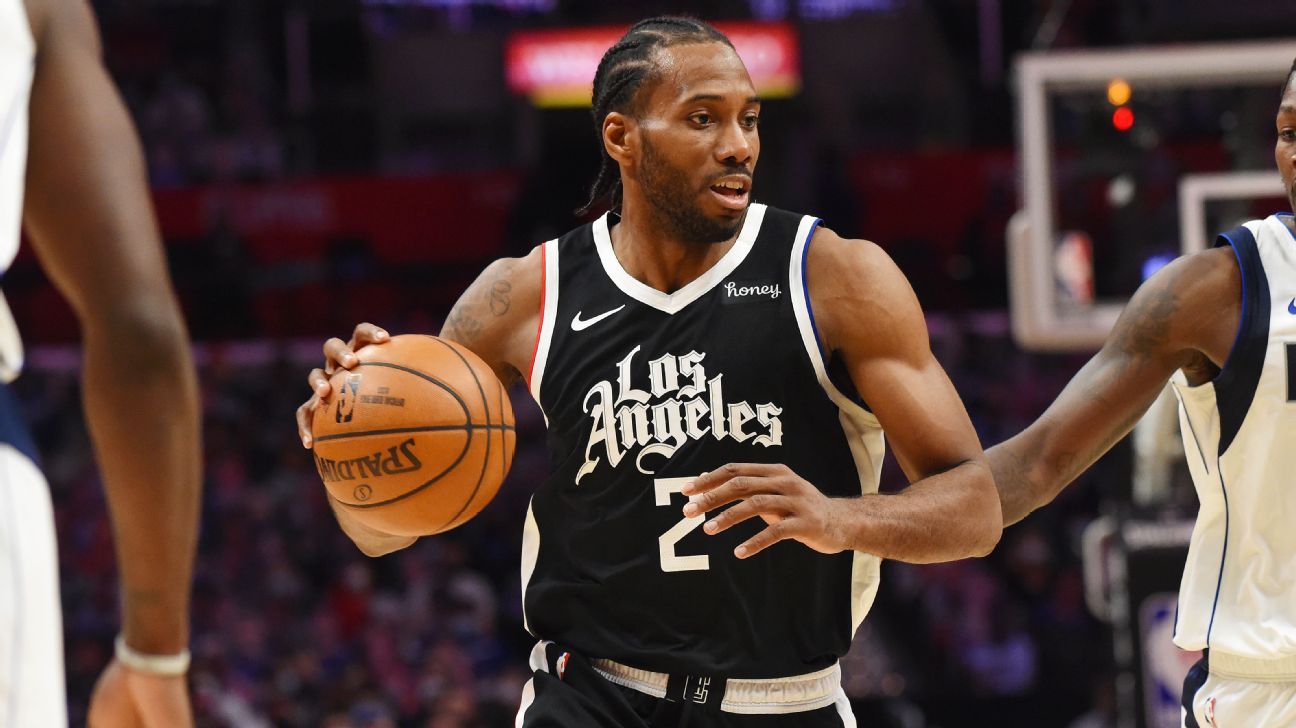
(794, 694)
(1282, 669)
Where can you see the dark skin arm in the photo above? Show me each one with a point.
(88, 215)
(496, 318)
(871, 319)
(1184, 317)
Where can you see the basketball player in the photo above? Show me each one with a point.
(1221, 325)
(87, 214)
(693, 347)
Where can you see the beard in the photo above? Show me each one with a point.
(675, 205)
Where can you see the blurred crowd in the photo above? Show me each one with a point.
(294, 627)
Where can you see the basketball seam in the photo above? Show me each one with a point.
(503, 435)
(486, 455)
(404, 430)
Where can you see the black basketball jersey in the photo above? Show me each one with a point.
(642, 392)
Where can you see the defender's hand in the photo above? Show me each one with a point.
(129, 698)
(791, 507)
(337, 355)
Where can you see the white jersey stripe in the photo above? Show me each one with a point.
(530, 554)
(537, 663)
(844, 710)
(863, 433)
(548, 311)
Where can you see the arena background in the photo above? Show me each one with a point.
(316, 164)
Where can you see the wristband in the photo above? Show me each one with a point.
(166, 665)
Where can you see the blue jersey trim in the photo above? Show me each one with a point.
(847, 387)
(805, 290)
(1219, 583)
(1236, 384)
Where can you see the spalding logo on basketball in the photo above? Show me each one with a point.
(417, 438)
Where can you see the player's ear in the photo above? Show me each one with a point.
(618, 136)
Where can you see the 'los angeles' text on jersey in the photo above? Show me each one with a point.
(680, 404)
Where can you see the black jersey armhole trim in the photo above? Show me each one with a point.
(1235, 387)
(833, 369)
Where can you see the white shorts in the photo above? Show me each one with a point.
(31, 636)
(1226, 702)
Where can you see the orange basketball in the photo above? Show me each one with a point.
(417, 438)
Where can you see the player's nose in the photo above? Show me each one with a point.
(734, 145)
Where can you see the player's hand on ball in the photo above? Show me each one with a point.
(792, 508)
(338, 354)
(125, 698)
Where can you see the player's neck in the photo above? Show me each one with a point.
(651, 254)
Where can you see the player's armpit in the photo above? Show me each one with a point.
(498, 315)
(1186, 314)
(871, 319)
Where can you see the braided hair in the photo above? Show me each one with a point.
(622, 72)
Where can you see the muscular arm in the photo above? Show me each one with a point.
(872, 320)
(88, 215)
(1184, 316)
(497, 318)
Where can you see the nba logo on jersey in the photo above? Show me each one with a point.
(560, 666)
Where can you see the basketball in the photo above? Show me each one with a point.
(416, 439)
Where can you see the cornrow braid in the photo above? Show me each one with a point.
(622, 72)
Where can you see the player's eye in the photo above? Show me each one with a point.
(751, 121)
(1287, 135)
(701, 118)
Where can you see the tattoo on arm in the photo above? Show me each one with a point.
(464, 321)
(1149, 327)
(500, 297)
(463, 326)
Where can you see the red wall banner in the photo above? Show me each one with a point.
(459, 217)
(556, 67)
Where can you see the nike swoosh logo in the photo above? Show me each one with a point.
(579, 325)
(1291, 307)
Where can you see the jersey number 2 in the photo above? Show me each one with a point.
(663, 488)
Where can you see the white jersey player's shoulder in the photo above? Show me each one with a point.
(17, 64)
(1236, 592)
(17, 59)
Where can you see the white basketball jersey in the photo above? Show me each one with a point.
(17, 59)
(17, 62)
(1238, 595)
